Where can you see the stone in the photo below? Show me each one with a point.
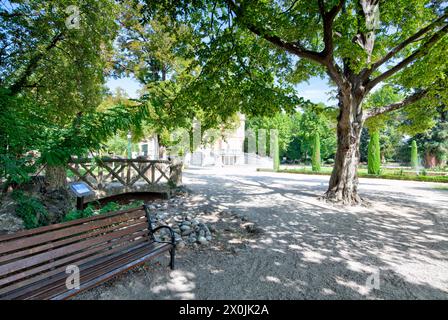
(212, 228)
(254, 229)
(10, 223)
(184, 227)
(201, 233)
(177, 237)
(187, 232)
(180, 245)
(202, 240)
(209, 238)
(230, 229)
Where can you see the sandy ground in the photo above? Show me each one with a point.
(309, 249)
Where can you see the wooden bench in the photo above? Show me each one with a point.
(35, 264)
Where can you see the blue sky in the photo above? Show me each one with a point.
(316, 90)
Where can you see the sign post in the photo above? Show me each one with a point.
(80, 190)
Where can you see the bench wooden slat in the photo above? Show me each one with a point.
(62, 265)
(64, 251)
(88, 274)
(56, 244)
(66, 232)
(52, 227)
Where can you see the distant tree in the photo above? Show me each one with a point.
(374, 158)
(434, 142)
(282, 122)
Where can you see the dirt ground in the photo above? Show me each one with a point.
(301, 248)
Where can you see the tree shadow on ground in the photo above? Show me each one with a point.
(308, 250)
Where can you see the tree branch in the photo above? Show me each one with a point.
(32, 65)
(328, 20)
(415, 37)
(290, 7)
(414, 56)
(293, 48)
(395, 106)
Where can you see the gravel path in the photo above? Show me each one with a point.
(309, 249)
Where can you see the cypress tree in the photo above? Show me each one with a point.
(374, 156)
(315, 161)
(414, 155)
(276, 152)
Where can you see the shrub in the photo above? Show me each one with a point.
(30, 210)
(79, 214)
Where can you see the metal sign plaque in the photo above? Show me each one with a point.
(81, 189)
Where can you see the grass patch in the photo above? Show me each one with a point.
(391, 174)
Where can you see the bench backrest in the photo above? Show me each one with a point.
(34, 255)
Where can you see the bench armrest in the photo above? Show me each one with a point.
(154, 230)
(172, 234)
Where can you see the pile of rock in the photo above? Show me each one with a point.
(187, 230)
(194, 230)
(184, 218)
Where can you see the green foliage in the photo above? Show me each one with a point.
(79, 214)
(61, 69)
(414, 155)
(315, 162)
(51, 81)
(374, 158)
(30, 210)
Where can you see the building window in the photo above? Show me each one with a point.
(145, 149)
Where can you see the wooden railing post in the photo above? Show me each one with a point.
(128, 173)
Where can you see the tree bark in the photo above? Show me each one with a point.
(55, 178)
(343, 186)
(430, 160)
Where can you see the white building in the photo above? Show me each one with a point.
(227, 149)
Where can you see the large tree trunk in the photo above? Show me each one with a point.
(343, 186)
(55, 178)
(430, 160)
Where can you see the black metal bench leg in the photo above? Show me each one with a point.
(172, 255)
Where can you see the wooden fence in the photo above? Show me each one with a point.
(109, 177)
